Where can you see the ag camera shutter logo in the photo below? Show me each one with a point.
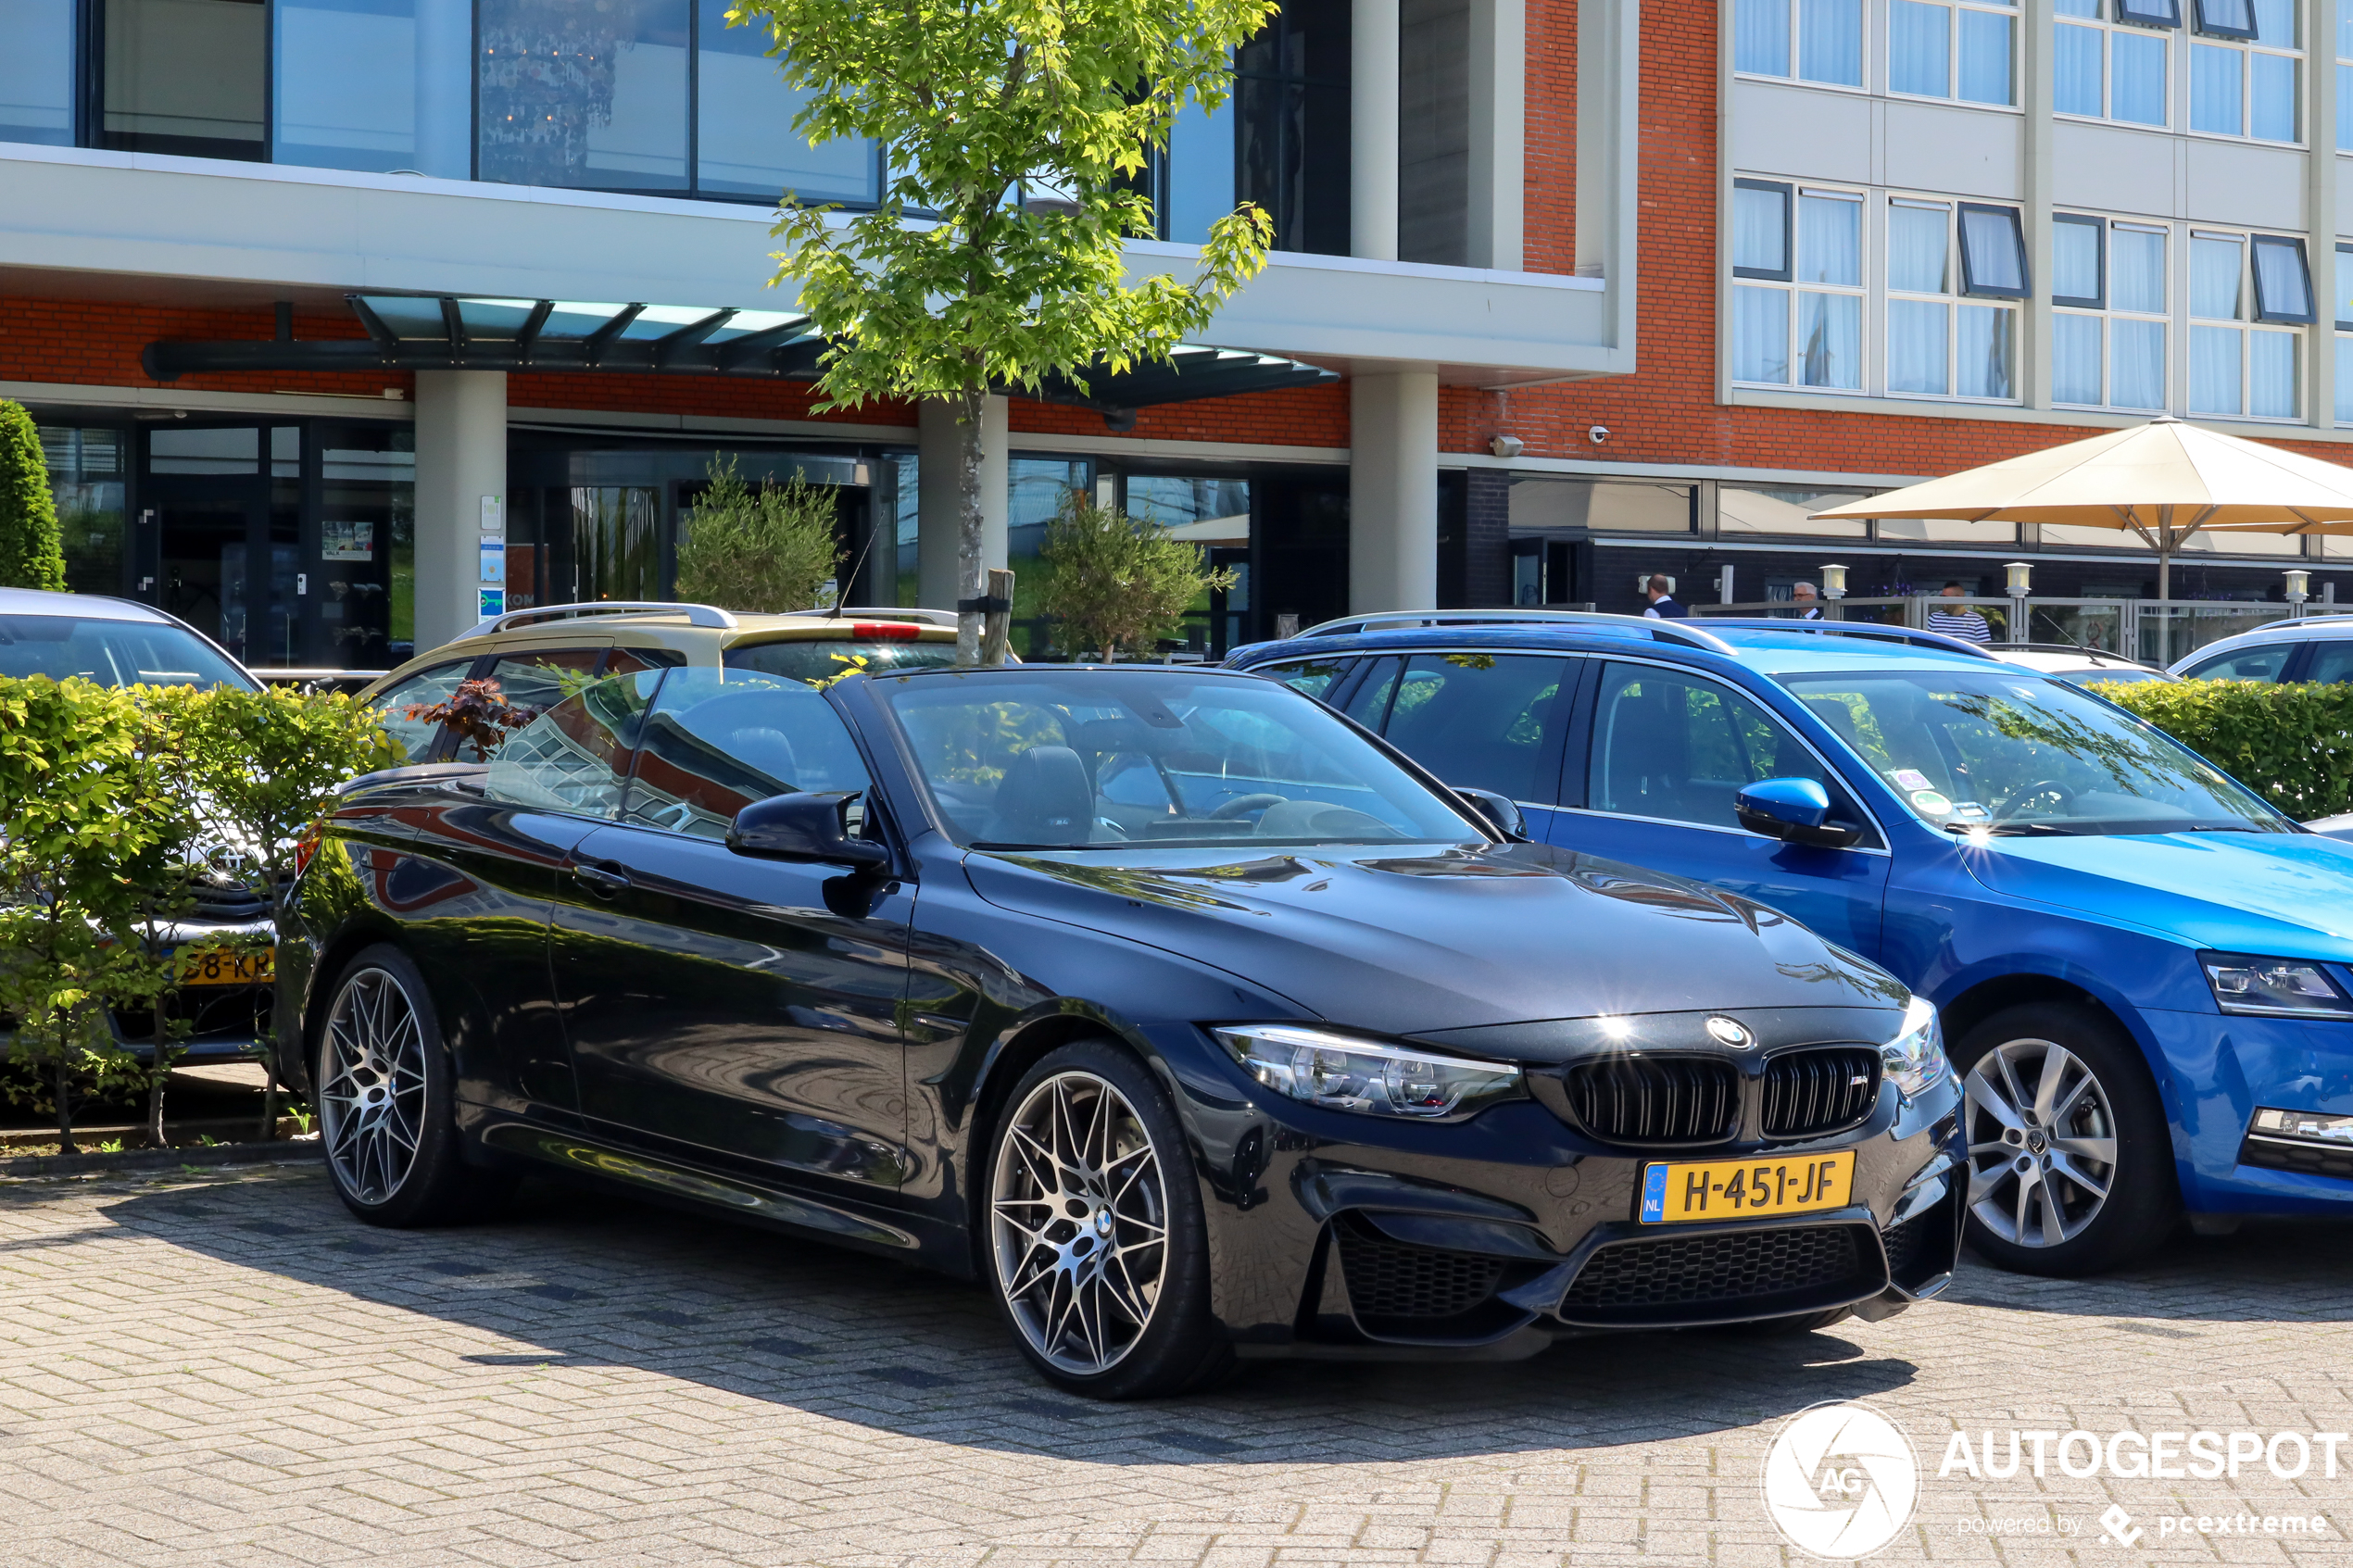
(1839, 1481)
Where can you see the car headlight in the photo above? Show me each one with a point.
(1347, 1072)
(1915, 1061)
(2292, 986)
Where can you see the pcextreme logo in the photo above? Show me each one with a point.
(1839, 1481)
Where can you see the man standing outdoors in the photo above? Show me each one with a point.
(1964, 622)
(1809, 605)
(1662, 597)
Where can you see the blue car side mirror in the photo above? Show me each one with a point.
(1796, 810)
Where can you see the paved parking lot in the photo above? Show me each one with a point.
(222, 1367)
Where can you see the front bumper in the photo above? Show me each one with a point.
(1493, 1237)
(225, 1022)
(2224, 1067)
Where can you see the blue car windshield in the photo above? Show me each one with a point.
(1094, 758)
(2012, 753)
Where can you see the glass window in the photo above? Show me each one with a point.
(2332, 663)
(366, 584)
(414, 736)
(36, 72)
(575, 758)
(112, 653)
(1198, 181)
(1939, 344)
(2246, 71)
(1311, 677)
(2235, 370)
(2344, 77)
(717, 740)
(1678, 747)
(583, 94)
(2283, 290)
(539, 679)
(1291, 125)
(1036, 759)
(374, 84)
(816, 659)
(1760, 230)
(184, 77)
(85, 479)
(1828, 36)
(1761, 37)
(1482, 720)
(1742, 508)
(1606, 506)
(1827, 251)
(2117, 359)
(235, 450)
(1992, 251)
(2009, 753)
(1964, 52)
(2075, 261)
(748, 145)
(2101, 71)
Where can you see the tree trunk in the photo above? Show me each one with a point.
(157, 1070)
(58, 1082)
(972, 563)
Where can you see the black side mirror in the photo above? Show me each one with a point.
(1501, 812)
(808, 826)
(1794, 810)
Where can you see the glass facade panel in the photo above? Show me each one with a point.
(1199, 186)
(1830, 41)
(86, 469)
(374, 84)
(184, 77)
(1291, 125)
(583, 94)
(745, 142)
(366, 588)
(36, 72)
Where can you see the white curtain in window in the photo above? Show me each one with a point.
(2214, 370)
(1996, 250)
(1760, 37)
(2136, 271)
(2271, 375)
(2076, 85)
(1829, 241)
(2341, 310)
(1760, 335)
(2075, 358)
(2275, 23)
(2214, 90)
(2271, 94)
(1760, 230)
(1916, 347)
(2078, 8)
(2345, 104)
(1830, 327)
(1985, 57)
(2344, 379)
(2279, 285)
(2075, 261)
(2238, 16)
(1830, 41)
(1982, 353)
(2136, 78)
(2214, 278)
(1916, 248)
(2135, 364)
(1919, 48)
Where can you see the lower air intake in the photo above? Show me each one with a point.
(1389, 1280)
(1702, 1278)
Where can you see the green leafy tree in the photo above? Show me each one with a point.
(1019, 128)
(764, 549)
(254, 771)
(1117, 582)
(30, 554)
(79, 860)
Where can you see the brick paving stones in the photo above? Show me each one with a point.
(222, 1367)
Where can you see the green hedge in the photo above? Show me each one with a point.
(2292, 745)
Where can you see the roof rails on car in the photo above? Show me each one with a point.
(2097, 656)
(1397, 621)
(697, 615)
(1936, 640)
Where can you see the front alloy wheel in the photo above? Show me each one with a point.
(1079, 1220)
(371, 1090)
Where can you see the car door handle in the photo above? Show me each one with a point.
(604, 879)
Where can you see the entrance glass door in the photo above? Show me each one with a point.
(227, 544)
(206, 578)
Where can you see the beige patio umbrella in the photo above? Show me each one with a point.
(2164, 480)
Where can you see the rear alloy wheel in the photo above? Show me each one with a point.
(1097, 1246)
(2070, 1171)
(386, 1106)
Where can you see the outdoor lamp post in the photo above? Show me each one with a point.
(2300, 588)
(2020, 574)
(1834, 589)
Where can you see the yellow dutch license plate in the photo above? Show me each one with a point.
(1740, 1189)
(226, 966)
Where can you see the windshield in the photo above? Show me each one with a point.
(2012, 753)
(826, 658)
(113, 653)
(1102, 757)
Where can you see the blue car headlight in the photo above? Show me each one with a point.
(2280, 987)
(1350, 1072)
(1915, 1061)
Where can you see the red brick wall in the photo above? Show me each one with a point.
(84, 343)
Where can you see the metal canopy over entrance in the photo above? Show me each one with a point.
(452, 332)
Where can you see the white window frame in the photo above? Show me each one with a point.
(1790, 283)
(1796, 14)
(2105, 311)
(2107, 23)
(2254, 317)
(2247, 48)
(2018, 20)
(1959, 296)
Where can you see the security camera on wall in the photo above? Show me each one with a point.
(1597, 435)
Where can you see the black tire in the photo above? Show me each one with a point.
(2009, 1225)
(1178, 1346)
(1802, 1322)
(369, 1101)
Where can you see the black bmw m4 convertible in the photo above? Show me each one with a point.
(1191, 1019)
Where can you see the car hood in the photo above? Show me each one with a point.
(2276, 893)
(1410, 939)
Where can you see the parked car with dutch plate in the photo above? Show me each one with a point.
(1190, 1018)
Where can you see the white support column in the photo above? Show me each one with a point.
(937, 454)
(1372, 145)
(461, 462)
(1498, 132)
(1392, 491)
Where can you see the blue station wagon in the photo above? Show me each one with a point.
(2145, 972)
